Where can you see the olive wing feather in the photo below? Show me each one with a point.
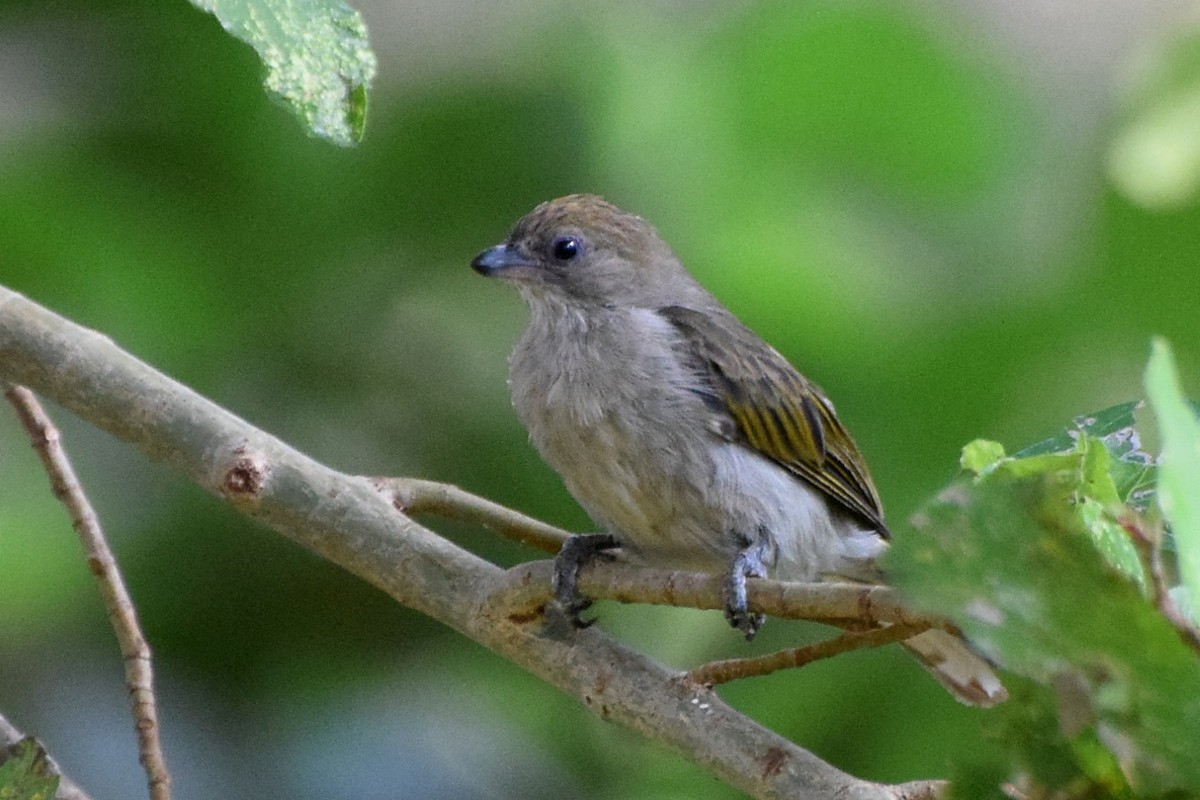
(775, 410)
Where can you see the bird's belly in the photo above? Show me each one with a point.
(650, 490)
(672, 503)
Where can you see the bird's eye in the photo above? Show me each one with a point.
(566, 248)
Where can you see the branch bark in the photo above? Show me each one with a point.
(738, 668)
(139, 669)
(348, 521)
(855, 606)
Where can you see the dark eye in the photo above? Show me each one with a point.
(565, 248)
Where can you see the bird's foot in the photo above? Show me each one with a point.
(748, 563)
(563, 613)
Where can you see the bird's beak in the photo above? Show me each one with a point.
(502, 261)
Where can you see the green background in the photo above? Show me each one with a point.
(962, 223)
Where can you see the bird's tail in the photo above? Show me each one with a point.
(952, 662)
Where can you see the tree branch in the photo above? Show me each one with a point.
(346, 520)
(139, 670)
(731, 669)
(415, 496)
(525, 588)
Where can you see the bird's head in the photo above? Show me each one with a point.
(580, 249)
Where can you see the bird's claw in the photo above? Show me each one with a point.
(746, 564)
(745, 621)
(563, 613)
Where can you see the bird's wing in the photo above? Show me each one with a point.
(776, 411)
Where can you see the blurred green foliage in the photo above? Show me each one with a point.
(1155, 155)
(1179, 484)
(1039, 559)
(25, 773)
(895, 199)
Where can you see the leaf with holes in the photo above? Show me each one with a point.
(316, 56)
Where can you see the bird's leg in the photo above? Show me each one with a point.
(748, 563)
(576, 551)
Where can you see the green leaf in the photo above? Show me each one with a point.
(26, 772)
(981, 455)
(316, 56)
(1012, 558)
(1179, 479)
(1133, 472)
(1112, 420)
(1086, 468)
(1047, 755)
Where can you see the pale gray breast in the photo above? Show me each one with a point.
(609, 406)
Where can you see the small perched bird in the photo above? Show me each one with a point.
(686, 437)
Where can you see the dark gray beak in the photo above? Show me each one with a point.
(498, 259)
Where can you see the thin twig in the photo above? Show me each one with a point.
(1148, 544)
(851, 605)
(525, 588)
(718, 672)
(67, 788)
(415, 496)
(139, 674)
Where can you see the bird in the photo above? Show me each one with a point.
(690, 441)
